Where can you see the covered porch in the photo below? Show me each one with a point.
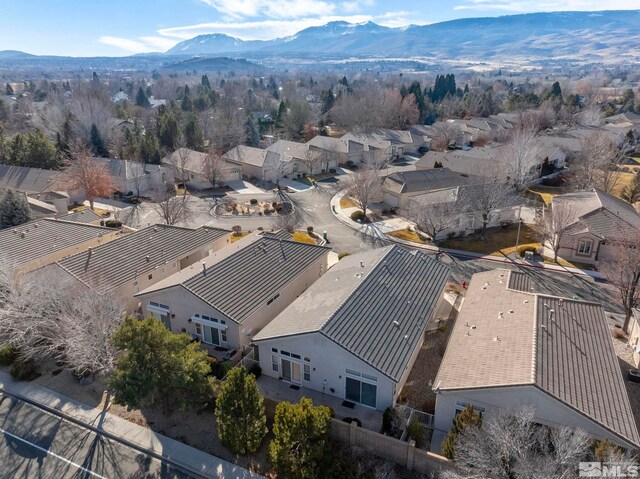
(279, 391)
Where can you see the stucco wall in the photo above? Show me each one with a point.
(328, 362)
(549, 411)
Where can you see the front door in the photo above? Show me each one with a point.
(291, 371)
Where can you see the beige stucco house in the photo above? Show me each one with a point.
(511, 347)
(141, 259)
(38, 243)
(355, 334)
(234, 293)
(190, 167)
(598, 221)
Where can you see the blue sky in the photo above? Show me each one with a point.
(123, 27)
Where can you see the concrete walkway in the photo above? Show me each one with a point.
(294, 186)
(187, 457)
(380, 229)
(244, 188)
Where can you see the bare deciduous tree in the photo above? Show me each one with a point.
(86, 174)
(554, 224)
(180, 164)
(435, 217)
(286, 222)
(485, 198)
(365, 186)
(444, 134)
(521, 157)
(172, 208)
(278, 168)
(510, 444)
(213, 167)
(622, 270)
(597, 164)
(45, 317)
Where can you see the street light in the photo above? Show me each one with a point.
(518, 236)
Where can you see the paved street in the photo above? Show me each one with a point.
(35, 444)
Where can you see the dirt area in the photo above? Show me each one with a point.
(625, 358)
(407, 236)
(498, 242)
(197, 429)
(417, 392)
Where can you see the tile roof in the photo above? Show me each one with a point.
(239, 283)
(329, 143)
(514, 339)
(289, 149)
(246, 155)
(424, 180)
(83, 216)
(375, 305)
(138, 253)
(29, 180)
(36, 239)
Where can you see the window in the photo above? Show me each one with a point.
(274, 350)
(584, 247)
(223, 335)
(274, 362)
(361, 392)
(307, 372)
(285, 353)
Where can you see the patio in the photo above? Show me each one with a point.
(280, 391)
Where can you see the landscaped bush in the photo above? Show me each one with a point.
(113, 224)
(220, 368)
(523, 249)
(358, 215)
(451, 234)
(256, 370)
(24, 370)
(253, 201)
(7, 355)
(619, 333)
(416, 432)
(391, 422)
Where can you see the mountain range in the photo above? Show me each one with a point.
(556, 35)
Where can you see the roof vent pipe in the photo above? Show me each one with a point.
(204, 268)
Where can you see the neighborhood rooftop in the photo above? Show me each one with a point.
(238, 284)
(424, 180)
(35, 239)
(29, 180)
(375, 305)
(517, 338)
(82, 216)
(137, 253)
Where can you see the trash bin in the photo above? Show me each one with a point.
(324, 235)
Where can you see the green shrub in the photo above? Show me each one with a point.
(24, 370)
(256, 370)
(391, 422)
(358, 215)
(416, 432)
(113, 224)
(253, 201)
(220, 368)
(7, 355)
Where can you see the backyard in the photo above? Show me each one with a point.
(498, 242)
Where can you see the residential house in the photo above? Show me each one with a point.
(385, 144)
(553, 155)
(346, 152)
(136, 178)
(38, 184)
(511, 347)
(598, 221)
(225, 301)
(303, 160)
(251, 162)
(141, 259)
(86, 216)
(38, 243)
(356, 332)
(190, 167)
(480, 161)
(399, 188)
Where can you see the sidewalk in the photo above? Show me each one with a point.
(377, 231)
(187, 457)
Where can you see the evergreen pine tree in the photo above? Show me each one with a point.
(252, 134)
(8, 89)
(14, 210)
(142, 99)
(282, 113)
(193, 134)
(467, 417)
(240, 415)
(205, 82)
(97, 143)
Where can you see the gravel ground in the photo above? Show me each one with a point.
(417, 392)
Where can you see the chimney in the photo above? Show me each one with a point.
(89, 253)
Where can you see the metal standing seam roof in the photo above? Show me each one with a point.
(375, 305)
(29, 180)
(40, 238)
(134, 254)
(515, 340)
(425, 180)
(84, 216)
(519, 281)
(241, 283)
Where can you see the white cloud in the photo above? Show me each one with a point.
(236, 9)
(353, 6)
(520, 6)
(139, 45)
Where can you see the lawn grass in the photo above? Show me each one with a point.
(407, 235)
(347, 203)
(546, 193)
(624, 179)
(239, 236)
(498, 242)
(302, 237)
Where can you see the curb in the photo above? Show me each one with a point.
(335, 205)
